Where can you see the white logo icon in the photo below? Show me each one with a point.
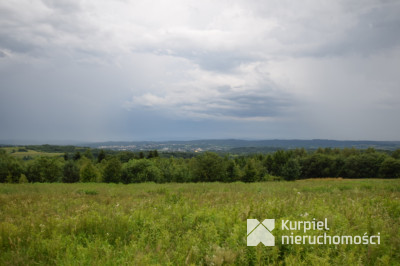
(260, 232)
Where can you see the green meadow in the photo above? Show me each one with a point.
(23, 152)
(195, 224)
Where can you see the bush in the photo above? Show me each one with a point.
(23, 179)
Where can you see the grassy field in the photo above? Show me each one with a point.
(175, 224)
(21, 152)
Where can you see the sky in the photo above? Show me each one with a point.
(97, 70)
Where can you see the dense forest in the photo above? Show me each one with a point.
(76, 164)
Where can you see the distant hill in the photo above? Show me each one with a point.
(237, 145)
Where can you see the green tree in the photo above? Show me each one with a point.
(291, 170)
(366, 165)
(44, 169)
(279, 159)
(53, 170)
(77, 156)
(300, 152)
(112, 171)
(150, 155)
(10, 168)
(173, 170)
(251, 172)
(233, 172)
(126, 156)
(347, 152)
(166, 167)
(268, 163)
(370, 150)
(3, 166)
(396, 154)
(318, 165)
(88, 172)
(142, 170)
(101, 156)
(209, 167)
(33, 172)
(390, 168)
(71, 172)
(88, 154)
(181, 171)
(181, 174)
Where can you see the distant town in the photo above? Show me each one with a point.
(234, 145)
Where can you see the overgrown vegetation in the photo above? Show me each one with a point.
(176, 224)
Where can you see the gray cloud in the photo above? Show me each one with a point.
(371, 31)
(220, 61)
(63, 6)
(80, 68)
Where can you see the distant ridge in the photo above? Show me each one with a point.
(234, 144)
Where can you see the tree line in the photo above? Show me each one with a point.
(128, 167)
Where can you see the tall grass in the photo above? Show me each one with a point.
(175, 224)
